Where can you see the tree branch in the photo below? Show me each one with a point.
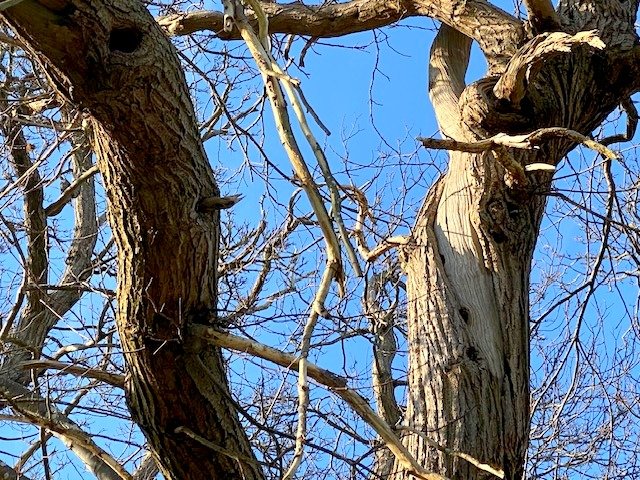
(334, 382)
(56, 207)
(40, 412)
(55, 304)
(542, 16)
(77, 370)
(448, 63)
(475, 18)
(527, 141)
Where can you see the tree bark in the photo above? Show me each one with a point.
(112, 60)
(469, 262)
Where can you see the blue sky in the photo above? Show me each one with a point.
(370, 90)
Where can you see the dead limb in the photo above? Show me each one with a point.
(500, 142)
(632, 124)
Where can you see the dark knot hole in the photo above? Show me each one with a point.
(125, 39)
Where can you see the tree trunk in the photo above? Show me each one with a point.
(111, 59)
(468, 323)
(469, 263)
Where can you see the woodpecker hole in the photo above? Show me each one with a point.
(125, 39)
(464, 313)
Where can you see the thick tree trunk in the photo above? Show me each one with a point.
(468, 322)
(111, 59)
(468, 265)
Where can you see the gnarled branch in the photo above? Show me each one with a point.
(475, 18)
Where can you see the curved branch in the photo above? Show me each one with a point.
(56, 207)
(448, 63)
(477, 19)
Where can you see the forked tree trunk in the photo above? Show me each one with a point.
(468, 265)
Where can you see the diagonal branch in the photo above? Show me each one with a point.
(56, 207)
(40, 412)
(334, 382)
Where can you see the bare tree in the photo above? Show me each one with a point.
(450, 336)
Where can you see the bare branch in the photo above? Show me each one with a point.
(475, 18)
(266, 64)
(334, 382)
(78, 265)
(526, 141)
(632, 124)
(385, 347)
(35, 221)
(387, 244)
(56, 207)
(40, 412)
(481, 466)
(77, 370)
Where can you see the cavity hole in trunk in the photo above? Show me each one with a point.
(125, 39)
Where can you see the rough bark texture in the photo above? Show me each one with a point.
(468, 267)
(113, 60)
